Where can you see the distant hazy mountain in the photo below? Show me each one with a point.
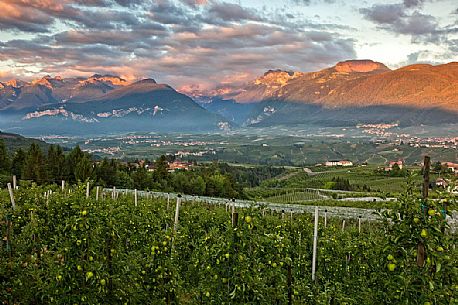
(235, 112)
(352, 92)
(101, 104)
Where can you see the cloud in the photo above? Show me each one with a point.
(310, 2)
(400, 19)
(384, 13)
(413, 3)
(42, 15)
(231, 12)
(128, 3)
(183, 43)
(194, 3)
(6, 75)
(28, 19)
(304, 2)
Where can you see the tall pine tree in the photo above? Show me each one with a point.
(35, 165)
(71, 161)
(18, 162)
(83, 169)
(56, 163)
(4, 159)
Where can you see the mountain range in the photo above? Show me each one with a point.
(100, 104)
(351, 92)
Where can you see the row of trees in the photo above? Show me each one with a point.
(56, 165)
(43, 168)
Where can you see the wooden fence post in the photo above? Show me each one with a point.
(315, 244)
(426, 169)
(14, 182)
(10, 190)
(421, 253)
(290, 285)
(97, 193)
(235, 219)
(63, 185)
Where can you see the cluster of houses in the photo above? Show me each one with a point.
(445, 183)
(176, 165)
(338, 163)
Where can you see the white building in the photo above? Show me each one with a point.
(338, 163)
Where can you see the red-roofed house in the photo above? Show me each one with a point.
(399, 163)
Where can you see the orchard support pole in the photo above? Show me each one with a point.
(343, 225)
(168, 201)
(97, 189)
(14, 182)
(135, 197)
(10, 190)
(325, 219)
(177, 213)
(63, 185)
(359, 224)
(315, 244)
(87, 190)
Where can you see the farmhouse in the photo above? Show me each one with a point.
(178, 165)
(390, 166)
(441, 182)
(338, 163)
(452, 167)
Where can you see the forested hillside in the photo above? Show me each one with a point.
(54, 165)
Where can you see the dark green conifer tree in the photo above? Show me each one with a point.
(35, 165)
(4, 158)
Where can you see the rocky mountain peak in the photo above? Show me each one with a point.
(16, 83)
(110, 79)
(277, 78)
(145, 81)
(361, 66)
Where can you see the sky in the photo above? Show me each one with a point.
(199, 45)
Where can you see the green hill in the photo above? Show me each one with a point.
(14, 141)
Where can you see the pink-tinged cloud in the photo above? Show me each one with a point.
(188, 44)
